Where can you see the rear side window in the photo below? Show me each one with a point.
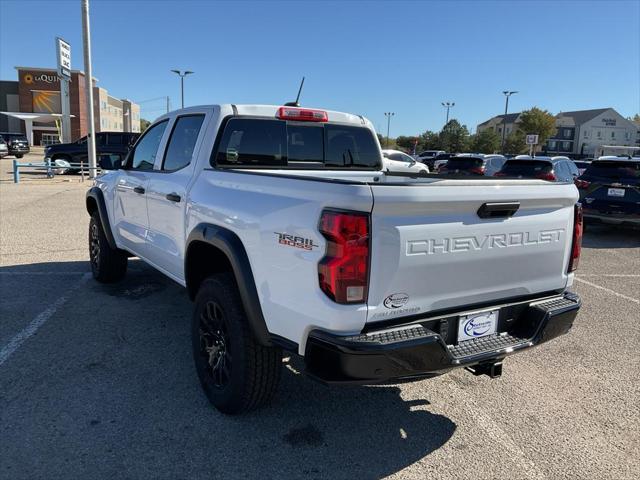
(526, 168)
(182, 142)
(620, 172)
(266, 143)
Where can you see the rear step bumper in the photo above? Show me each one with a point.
(416, 351)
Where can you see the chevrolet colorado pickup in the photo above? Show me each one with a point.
(289, 235)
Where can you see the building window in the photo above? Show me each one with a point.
(566, 146)
(627, 135)
(567, 133)
(552, 144)
(586, 134)
(599, 134)
(613, 134)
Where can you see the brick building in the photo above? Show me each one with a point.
(37, 90)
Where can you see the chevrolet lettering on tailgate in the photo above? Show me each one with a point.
(476, 243)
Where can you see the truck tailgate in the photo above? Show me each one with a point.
(431, 250)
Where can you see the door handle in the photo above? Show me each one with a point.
(174, 197)
(139, 190)
(498, 210)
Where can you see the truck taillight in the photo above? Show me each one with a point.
(344, 270)
(576, 245)
(302, 114)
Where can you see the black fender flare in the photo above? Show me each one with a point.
(96, 194)
(230, 245)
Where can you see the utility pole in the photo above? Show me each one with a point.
(182, 75)
(88, 87)
(388, 115)
(448, 105)
(507, 94)
(167, 103)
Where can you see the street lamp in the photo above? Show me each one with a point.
(507, 94)
(448, 105)
(182, 75)
(388, 115)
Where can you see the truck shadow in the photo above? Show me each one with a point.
(112, 370)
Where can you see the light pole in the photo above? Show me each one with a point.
(448, 105)
(182, 75)
(507, 94)
(388, 115)
(88, 87)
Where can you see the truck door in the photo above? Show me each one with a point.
(131, 221)
(167, 193)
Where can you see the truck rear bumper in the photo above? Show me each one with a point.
(414, 350)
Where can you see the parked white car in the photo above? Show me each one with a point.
(397, 161)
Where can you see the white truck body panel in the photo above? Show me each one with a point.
(411, 221)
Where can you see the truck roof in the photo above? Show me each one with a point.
(269, 111)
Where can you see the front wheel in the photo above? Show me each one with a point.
(108, 264)
(237, 374)
(19, 155)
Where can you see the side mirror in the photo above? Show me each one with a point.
(110, 161)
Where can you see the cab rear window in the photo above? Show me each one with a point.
(266, 143)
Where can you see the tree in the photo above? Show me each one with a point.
(391, 143)
(538, 122)
(144, 124)
(515, 144)
(454, 137)
(406, 143)
(635, 119)
(487, 141)
(428, 141)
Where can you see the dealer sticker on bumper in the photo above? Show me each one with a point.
(477, 325)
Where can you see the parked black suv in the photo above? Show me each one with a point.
(610, 191)
(17, 143)
(117, 143)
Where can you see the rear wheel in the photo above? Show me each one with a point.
(236, 373)
(19, 155)
(108, 264)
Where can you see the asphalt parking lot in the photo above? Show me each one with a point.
(97, 381)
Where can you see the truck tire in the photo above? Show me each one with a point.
(236, 373)
(108, 264)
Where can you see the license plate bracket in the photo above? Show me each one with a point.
(616, 192)
(477, 325)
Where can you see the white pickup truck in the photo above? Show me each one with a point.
(289, 235)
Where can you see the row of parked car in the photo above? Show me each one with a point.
(609, 186)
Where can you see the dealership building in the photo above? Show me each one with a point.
(32, 105)
(579, 133)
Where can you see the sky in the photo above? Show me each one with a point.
(360, 57)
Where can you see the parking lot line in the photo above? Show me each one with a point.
(15, 343)
(619, 275)
(613, 292)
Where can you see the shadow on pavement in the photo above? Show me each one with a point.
(107, 389)
(608, 236)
